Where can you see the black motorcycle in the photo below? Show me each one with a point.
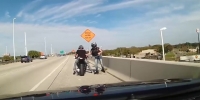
(82, 66)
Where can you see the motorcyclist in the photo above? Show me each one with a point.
(96, 53)
(81, 53)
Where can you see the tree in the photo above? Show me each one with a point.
(149, 45)
(194, 45)
(184, 48)
(134, 50)
(6, 58)
(126, 51)
(168, 47)
(159, 49)
(34, 54)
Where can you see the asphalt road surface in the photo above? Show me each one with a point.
(46, 74)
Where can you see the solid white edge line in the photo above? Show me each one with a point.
(37, 85)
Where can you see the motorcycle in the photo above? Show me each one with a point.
(82, 66)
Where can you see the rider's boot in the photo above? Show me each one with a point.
(90, 70)
(96, 72)
(103, 70)
(74, 72)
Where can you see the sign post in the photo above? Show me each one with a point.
(88, 36)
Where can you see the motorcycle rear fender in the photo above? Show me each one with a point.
(81, 61)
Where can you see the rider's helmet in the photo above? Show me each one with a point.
(94, 44)
(80, 47)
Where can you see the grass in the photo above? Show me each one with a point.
(170, 59)
(170, 56)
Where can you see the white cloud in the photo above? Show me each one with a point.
(98, 15)
(63, 37)
(74, 20)
(77, 8)
(166, 10)
(28, 7)
(180, 27)
(7, 14)
(180, 18)
(179, 7)
(90, 22)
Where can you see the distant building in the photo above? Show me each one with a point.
(7, 54)
(193, 50)
(140, 55)
(150, 51)
(144, 53)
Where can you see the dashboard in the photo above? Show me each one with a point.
(157, 90)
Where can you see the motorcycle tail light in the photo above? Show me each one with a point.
(95, 94)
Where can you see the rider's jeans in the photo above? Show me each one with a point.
(86, 61)
(98, 59)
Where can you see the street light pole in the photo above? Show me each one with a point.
(163, 49)
(25, 44)
(51, 50)
(197, 30)
(6, 50)
(45, 45)
(14, 39)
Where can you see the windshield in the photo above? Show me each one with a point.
(71, 43)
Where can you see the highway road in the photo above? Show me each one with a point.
(47, 74)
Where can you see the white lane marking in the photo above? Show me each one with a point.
(37, 85)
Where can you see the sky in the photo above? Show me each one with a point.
(116, 23)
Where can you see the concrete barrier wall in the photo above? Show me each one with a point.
(130, 69)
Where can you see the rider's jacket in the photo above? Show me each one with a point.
(81, 53)
(95, 51)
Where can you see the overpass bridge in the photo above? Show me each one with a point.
(57, 73)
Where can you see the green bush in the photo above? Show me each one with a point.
(34, 54)
(7, 58)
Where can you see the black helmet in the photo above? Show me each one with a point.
(80, 47)
(94, 44)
